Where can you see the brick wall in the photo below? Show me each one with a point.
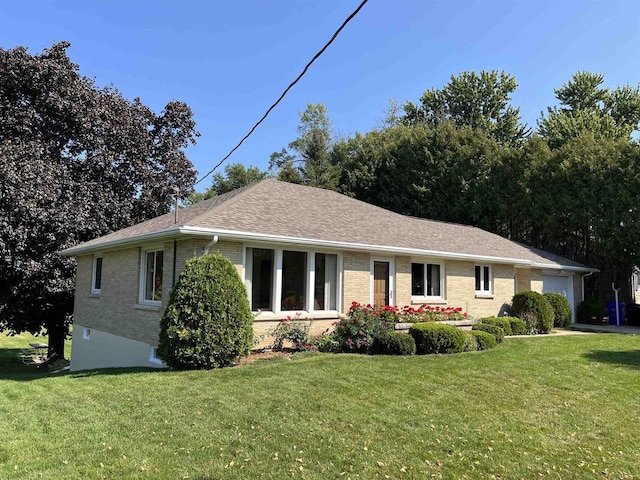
(357, 279)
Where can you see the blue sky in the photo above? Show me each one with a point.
(230, 60)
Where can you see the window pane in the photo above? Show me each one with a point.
(294, 275)
(477, 278)
(148, 286)
(262, 279)
(486, 279)
(417, 279)
(97, 282)
(433, 280)
(326, 282)
(157, 278)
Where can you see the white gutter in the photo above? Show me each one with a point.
(174, 231)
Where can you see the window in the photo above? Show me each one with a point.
(152, 276)
(262, 262)
(483, 279)
(426, 280)
(294, 278)
(86, 333)
(96, 277)
(153, 356)
(325, 282)
(289, 280)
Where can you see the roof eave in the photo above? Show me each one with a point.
(164, 234)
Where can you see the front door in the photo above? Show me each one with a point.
(380, 283)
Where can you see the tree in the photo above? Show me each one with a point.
(235, 176)
(477, 101)
(77, 162)
(587, 106)
(309, 160)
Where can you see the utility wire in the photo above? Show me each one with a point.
(315, 57)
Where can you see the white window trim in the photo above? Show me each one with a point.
(143, 275)
(96, 291)
(488, 293)
(153, 356)
(430, 298)
(392, 276)
(277, 279)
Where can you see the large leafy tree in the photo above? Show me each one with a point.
(309, 158)
(587, 106)
(77, 162)
(479, 101)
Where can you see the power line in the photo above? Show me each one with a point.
(286, 90)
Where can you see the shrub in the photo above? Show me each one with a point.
(427, 313)
(437, 338)
(518, 327)
(470, 342)
(294, 332)
(591, 311)
(485, 340)
(561, 309)
(501, 322)
(363, 323)
(326, 342)
(535, 310)
(393, 343)
(208, 320)
(494, 330)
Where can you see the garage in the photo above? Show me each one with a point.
(562, 284)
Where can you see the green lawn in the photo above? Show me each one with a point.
(555, 407)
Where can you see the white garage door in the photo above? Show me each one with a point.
(559, 284)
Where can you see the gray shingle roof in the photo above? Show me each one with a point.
(282, 211)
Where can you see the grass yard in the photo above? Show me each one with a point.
(558, 407)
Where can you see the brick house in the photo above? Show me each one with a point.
(298, 249)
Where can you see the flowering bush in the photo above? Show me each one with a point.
(427, 313)
(294, 332)
(355, 333)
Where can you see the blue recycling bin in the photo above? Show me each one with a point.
(611, 306)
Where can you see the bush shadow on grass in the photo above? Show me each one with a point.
(628, 358)
(11, 368)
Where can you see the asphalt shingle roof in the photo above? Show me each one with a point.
(281, 209)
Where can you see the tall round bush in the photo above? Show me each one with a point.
(561, 309)
(535, 310)
(208, 321)
(437, 338)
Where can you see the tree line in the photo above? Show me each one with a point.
(462, 154)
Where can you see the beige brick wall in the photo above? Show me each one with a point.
(403, 281)
(536, 280)
(523, 279)
(357, 279)
(116, 310)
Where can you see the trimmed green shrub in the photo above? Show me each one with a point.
(561, 309)
(485, 340)
(501, 322)
(591, 311)
(494, 330)
(470, 342)
(393, 343)
(535, 310)
(437, 338)
(208, 321)
(518, 327)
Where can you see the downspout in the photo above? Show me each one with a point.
(175, 248)
(583, 277)
(213, 241)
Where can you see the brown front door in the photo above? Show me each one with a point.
(380, 283)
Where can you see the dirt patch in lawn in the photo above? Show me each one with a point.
(265, 354)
